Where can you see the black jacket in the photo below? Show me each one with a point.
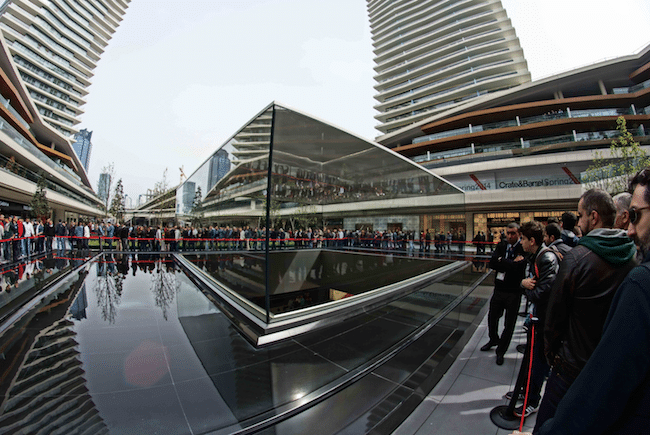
(514, 271)
(545, 266)
(578, 305)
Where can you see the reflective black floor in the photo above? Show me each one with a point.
(130, 345)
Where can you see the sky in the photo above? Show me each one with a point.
(178, 79)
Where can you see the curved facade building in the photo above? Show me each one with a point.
(55, 46)
(433, 55)
(48, 51)
(522, 154)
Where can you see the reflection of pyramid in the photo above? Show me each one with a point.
(312, 164)
(47, 393)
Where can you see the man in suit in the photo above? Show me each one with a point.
(509, 264)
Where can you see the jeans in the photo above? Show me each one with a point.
(556, 387)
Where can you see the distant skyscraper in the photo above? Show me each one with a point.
(219, 167)
(103, 187)
(82, 146)
(55, 46)
(431, 55)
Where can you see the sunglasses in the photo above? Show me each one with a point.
(635, 215)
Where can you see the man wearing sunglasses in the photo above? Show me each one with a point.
(612, 393)
(581, 295)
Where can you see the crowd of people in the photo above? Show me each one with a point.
(589, 314)
(20, 238)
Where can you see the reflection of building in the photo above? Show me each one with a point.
(80, 303)
(316, 170)
(188, 189)
(431, 56)
(219, 167)
(82, 146)
(48, 51)
(103, 187)
(46, 369)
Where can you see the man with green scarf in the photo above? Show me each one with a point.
(581, 295)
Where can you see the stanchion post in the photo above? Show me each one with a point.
(504, 416)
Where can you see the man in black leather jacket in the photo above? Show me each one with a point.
(542, 269)
(581, 296)
(509, 264)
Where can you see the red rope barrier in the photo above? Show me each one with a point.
(530, 369)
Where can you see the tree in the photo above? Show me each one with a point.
(197, 208)
(117, 205)
(612, 173)
(304, 217)
(274, 213)
(40, 206)
(161, 186)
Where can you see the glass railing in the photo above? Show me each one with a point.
(41, 60)
(436, 60)
(555, 114)
(495, 125)
(55, 31)
(551, 115)
(424, 35)
(13, 111)
(530, 146)
(548, 140)
(631, 89)
(21, 171)
(10, 131)
(462, 61)
(600, 112)
(41, 73)
(600, 135)
(68, 21)
(459, 131)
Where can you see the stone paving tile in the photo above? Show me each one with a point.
(461, 402)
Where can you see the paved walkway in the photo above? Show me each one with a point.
(461, 402)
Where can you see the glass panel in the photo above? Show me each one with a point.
(318, 172)
(317, 164)
(233, 180)
(305, 278)
(328, 187)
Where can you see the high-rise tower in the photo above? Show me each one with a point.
(55, 46)
(48, 51)
(431, 55)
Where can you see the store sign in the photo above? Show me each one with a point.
(532, 182)
(474, 183)
(4, 204)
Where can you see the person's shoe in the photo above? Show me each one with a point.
(530, 409)
(499, 360)
(521, 348)
(509, 395)
(487, 346)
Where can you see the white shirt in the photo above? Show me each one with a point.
(29, 229)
